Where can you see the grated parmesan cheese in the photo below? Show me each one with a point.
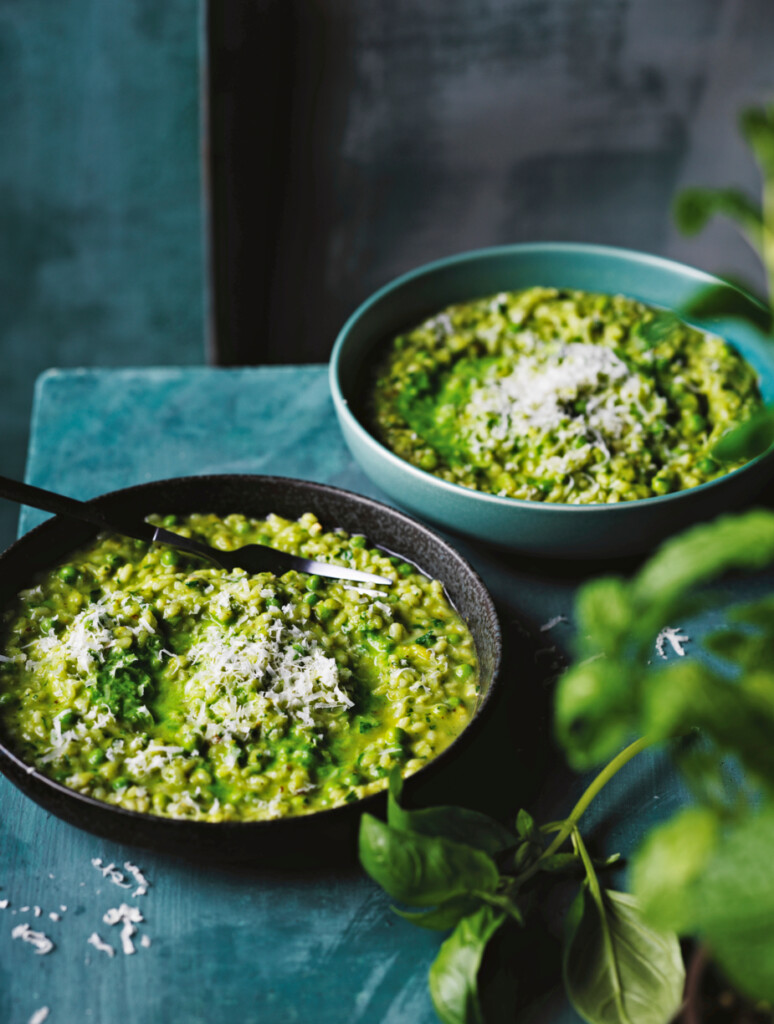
(552, 623)
(671, 635)
(127, 917)
(39, 940)
(104, 947)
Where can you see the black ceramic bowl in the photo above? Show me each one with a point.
(284, 838)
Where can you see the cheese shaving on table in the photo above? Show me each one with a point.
(111, 871)
(41, 942)
(104, 947)
(141, 881)
(555, 621)
(39, 1016)
(675, 639)
(128, 917)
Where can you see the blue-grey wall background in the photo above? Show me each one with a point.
(101, 223)
(349, 142)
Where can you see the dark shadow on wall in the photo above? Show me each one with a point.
(352, 142)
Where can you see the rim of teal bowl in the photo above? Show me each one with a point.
(497, 500)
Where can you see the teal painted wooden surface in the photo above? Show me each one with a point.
(247, 945)
(102, 254)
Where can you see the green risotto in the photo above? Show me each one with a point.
(562, 396)
(144, 677)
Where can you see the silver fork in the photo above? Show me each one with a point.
(253, 558)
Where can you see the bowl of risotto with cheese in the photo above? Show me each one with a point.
(148, 695)
(550, 398)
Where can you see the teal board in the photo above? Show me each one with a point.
(252, 945)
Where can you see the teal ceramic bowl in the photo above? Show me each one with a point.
(553, 530)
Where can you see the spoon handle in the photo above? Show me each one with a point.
(59, 504)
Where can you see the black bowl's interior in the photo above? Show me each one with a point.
(252, 496)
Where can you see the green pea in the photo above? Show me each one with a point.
(46, 625)
(686, 400)
(327, 610)
(169, 520)
(454, 638)
(264, 538)
(242, 527)
(96, 757)
(114, 560)
(315, 583)
(358, 541)
(696, 423)
(662, 484)
(67, 718)
(404, 569)
(707, 465)
(311, 599)
(453, 702)
(272, 602)
(350, 779)
(170, 557)
(68, 574)
(463, 671)
(122, 782)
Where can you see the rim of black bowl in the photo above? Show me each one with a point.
(283, 829)
(343, 406)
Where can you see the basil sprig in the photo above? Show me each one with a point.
(464, 871)
(705, 872)
(735, 300)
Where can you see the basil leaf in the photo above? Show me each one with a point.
(605, 617)
(595, 711)
(668, 863)
(456, 823)
(694, 207)
(526, 827)
(757, 127)
(703, 553)
(420, 870)
(443, 917)
(454, 973)
(753, 437)
(735, 904)
(731, 300)
(737, 716)
(658, 328)
(617, 969)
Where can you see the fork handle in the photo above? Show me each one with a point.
(59, 504)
